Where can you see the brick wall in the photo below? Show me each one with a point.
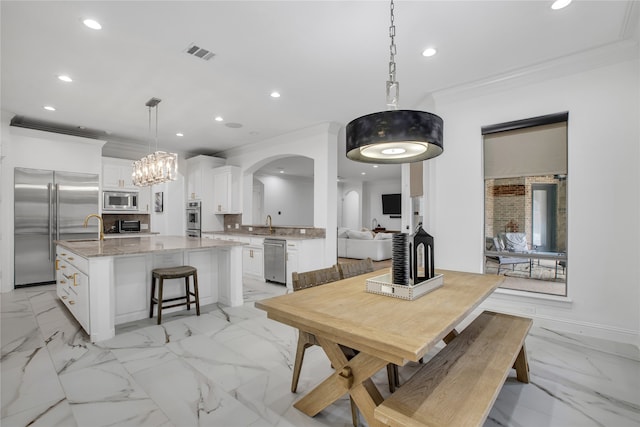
(508, 206)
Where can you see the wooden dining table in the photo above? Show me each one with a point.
(382, 328)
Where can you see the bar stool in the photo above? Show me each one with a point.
(174, 273)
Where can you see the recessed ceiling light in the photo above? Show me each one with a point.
(375, 166)
(49, 108)
(560, 4)
(93, 24)
(179, 134)
(430, 51)
(65, 78)
(363, 173)
(218, 119)
(275, 94)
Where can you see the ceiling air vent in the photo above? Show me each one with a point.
(199, 52)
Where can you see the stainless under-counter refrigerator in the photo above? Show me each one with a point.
(49, 205)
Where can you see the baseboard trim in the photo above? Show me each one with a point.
(578, 327)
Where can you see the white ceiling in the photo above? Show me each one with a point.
(329, 60)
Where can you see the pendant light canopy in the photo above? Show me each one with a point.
(394, 136)
(158, 167)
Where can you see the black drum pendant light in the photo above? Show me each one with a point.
(394, 136)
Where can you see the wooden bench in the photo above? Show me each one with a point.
(459, 385)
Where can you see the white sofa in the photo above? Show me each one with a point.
(363, 245)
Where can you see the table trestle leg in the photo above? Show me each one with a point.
(351, 376)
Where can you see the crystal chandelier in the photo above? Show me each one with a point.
(394, 136)
(157, 167)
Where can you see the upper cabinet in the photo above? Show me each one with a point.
(199, 175)
(144, 200)
(226, 190)
(116, 174)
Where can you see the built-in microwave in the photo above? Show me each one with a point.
(120, 201)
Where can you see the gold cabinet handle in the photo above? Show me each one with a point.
(75, 277)
(71, 302)
(57, 264)
(63, 266)
(63, 254)
(63, 297)
(63, 282)
(70, 258)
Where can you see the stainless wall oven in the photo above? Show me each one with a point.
(193, 218)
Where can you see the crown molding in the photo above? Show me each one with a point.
(602, 56)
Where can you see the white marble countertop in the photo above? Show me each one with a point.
(266, 236)
(139, 245)
(130, 234)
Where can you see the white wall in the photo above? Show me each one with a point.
(38, 150)
(318, 143)
(289, 200)
(603, 187)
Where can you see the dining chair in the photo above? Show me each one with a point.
(306, 280)
(356, 268)
(301, 281)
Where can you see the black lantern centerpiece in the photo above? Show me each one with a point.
(421, 250)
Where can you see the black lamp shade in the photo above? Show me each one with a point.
(406, 135)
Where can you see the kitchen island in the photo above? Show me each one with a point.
(105, 283)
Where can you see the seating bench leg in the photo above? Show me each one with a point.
(522, 366)
(450, 336)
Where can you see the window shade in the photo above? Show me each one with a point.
(533, 151)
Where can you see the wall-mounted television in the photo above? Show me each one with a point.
(391, 204)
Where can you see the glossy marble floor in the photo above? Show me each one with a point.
(232, 367)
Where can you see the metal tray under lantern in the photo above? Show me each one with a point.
(383, 285)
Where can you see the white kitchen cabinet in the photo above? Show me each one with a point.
(199, 177)
(302, 255)
(72, 285)
(253, 258)
(144, 200)
(226, 190)
(252, 253)
(116, 174)
(131, 286)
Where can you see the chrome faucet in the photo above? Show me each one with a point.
(269, 224)
(101, 224)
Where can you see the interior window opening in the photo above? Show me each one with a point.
(525, 168)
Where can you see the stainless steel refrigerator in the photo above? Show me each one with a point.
(49, 206)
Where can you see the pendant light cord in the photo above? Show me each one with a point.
(156, 127)
(149, 133)
(392, 47)
(393, 87)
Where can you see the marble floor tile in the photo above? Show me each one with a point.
(137, 412)
(28, 379)
(56, 414)
(192, 399)
(216, 361)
